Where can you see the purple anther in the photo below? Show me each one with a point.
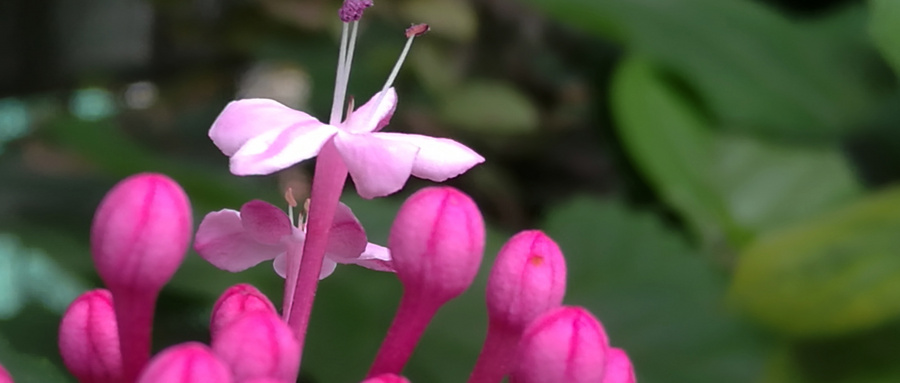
(352, 10)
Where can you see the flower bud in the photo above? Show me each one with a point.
(566, 344)
(265, 380)
(141, 232)
(89, 339)
(259, 345)
(4, 376)
(190, 362)
(386, 378)
(528, 278)
(237, 300)
(618, 367)
(437, 241)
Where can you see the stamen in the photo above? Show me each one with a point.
(352, 10)
(292, 203)
(411, 33)
(305, 214)
(340, 80)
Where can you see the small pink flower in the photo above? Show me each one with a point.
(236, 301)
(258, 345)
(186, 363)
(263, 136)
(89, 339)
(564, 345)
(235, 241)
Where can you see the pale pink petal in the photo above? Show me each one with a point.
(264, 222)
(222, 241)
(439, 158)
(347, 239)
(280, 266)
(244, 119)
(378, 166)
(369, 119)
(375, 257)
(275, 150)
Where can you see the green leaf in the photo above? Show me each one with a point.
(656, 297)
(884, 27)
(768, 186)
(727, 186)
(489, 107)
(832, 275)
(672, 145)
(752, 67)
(26, 368)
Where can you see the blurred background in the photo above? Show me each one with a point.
(720, 174)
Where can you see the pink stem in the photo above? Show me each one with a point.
(402, 337)
(134, 318)
(328, 182)
(497, 356)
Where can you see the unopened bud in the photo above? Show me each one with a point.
(236, 301)
(186, 363)
(259, 345)
(141, 232)
(563, 345)
(618, 367)
(528, 278)
(436, 242)
(386, 378)
(89, 339)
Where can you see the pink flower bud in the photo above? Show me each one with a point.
(141, 232)
(566, 344)
(259, 345)
(618, 367)
(386, 378)
(89, 339)
(186, 363)
(265, 380)
(4, 376)
(528, 278)
(437, 241)
(237, 300)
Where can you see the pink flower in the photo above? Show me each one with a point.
(263, 136)
(235, 241)
(4, 376)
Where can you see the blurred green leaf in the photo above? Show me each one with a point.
(489, 107)
(27, 368)
(724, 184)
(768, 186)
(24, 276)
(672, 146)
(654, 294)
(751, 67)
(884, 26)
(832, 275)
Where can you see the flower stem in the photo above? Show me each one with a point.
(134, 318)
(331, 173)
(409, 324)
(497, 356)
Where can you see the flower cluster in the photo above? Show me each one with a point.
(142, 229)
